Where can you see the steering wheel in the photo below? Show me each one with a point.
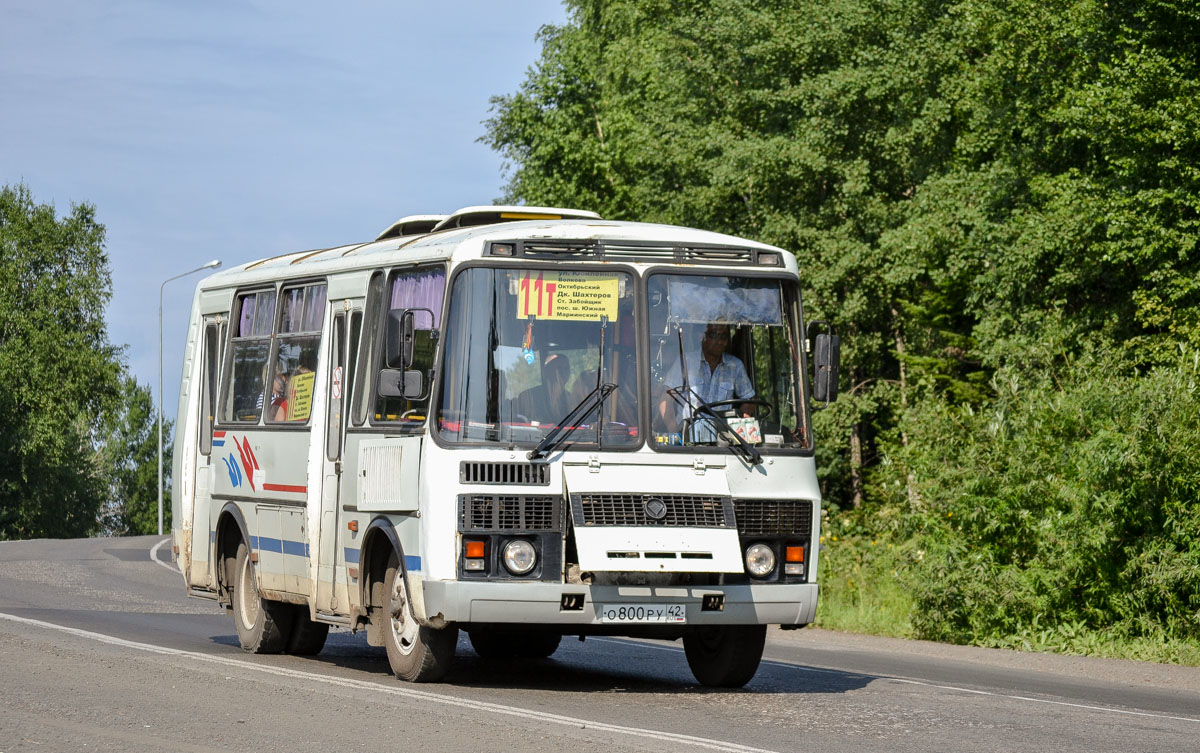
(735, 402)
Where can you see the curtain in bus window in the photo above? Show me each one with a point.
(421, 289)
(303, 310)
(249, 356)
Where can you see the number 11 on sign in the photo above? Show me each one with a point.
(537, 296)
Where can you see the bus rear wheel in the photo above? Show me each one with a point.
(416, 653)
(262, 625)
(725, 656)
(308, 637)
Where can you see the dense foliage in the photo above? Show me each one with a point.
(998, 201)
(72, 425)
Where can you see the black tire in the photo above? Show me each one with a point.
(308, 637)
(539, 646)
(416, 653)
(263, 626)
(725, 656)
(507, 644)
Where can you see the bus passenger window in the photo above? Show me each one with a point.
(414, 289)
(302, 313)
(251, 345)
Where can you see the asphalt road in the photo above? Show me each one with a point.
(101, 651)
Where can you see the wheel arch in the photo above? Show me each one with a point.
(380, 540)
(231, 528)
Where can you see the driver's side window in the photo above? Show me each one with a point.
(411, 288)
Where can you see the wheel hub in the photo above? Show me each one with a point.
(404, 627)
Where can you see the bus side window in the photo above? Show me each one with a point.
(362, 378)
(250, 346)
(208, 392)
(356, 326)
(302, 312)
(422, 288)
(337, 368)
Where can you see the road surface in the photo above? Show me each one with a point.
(100, 650)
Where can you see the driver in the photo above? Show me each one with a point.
(713, 374)
(717, 376)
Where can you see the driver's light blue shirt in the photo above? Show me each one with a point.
(727, 381)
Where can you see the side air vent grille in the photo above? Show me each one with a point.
(515, 474)
(690, 510)
(757, 517)
(494, 512)
(632, 251)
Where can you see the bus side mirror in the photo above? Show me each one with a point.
(401, 333)
(827, 355)
(399, 338)
(406, 383)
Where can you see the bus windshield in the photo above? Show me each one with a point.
(524, 347)
(725, 361)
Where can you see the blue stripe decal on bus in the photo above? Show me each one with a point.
(295, 547)
(269, 545)
(298, 548)
(410, 562)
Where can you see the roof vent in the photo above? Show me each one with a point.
(491, 215)
(414, 224)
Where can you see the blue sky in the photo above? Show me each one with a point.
(238, 130)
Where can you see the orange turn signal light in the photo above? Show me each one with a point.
(353, 526)
(473, 549)
(794, 554)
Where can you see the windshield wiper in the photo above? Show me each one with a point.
(744, 449)
(570, 422)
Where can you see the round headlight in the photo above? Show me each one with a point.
(519, 557)
(760, 560)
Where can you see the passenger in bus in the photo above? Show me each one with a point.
(287, 397)
(552, 400)
(279, 401)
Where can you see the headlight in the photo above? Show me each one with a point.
(760, 560)
(519, 557)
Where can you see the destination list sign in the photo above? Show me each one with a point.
(579, 296)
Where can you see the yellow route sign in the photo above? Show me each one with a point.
(578, 296)
(300, 393)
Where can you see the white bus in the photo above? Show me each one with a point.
(519, 422)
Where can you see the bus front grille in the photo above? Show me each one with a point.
(757, 517)
(496, 512)
(687, 510)
(508, 474)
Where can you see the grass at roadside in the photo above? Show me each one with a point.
(861, 587)
(864, 590)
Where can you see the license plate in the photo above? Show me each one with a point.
(626, 613)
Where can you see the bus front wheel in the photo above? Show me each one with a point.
(725, 656)
(262, 625)
(415, 652)
(505, 644)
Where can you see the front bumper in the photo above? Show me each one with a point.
(541, 603)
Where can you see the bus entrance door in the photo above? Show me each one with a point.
(331, 568)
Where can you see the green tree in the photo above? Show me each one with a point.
(951, 175)
(60, 373)
(128, 453)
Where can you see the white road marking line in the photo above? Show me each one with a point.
(906, 681)
(154, 556)
(403, 691)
